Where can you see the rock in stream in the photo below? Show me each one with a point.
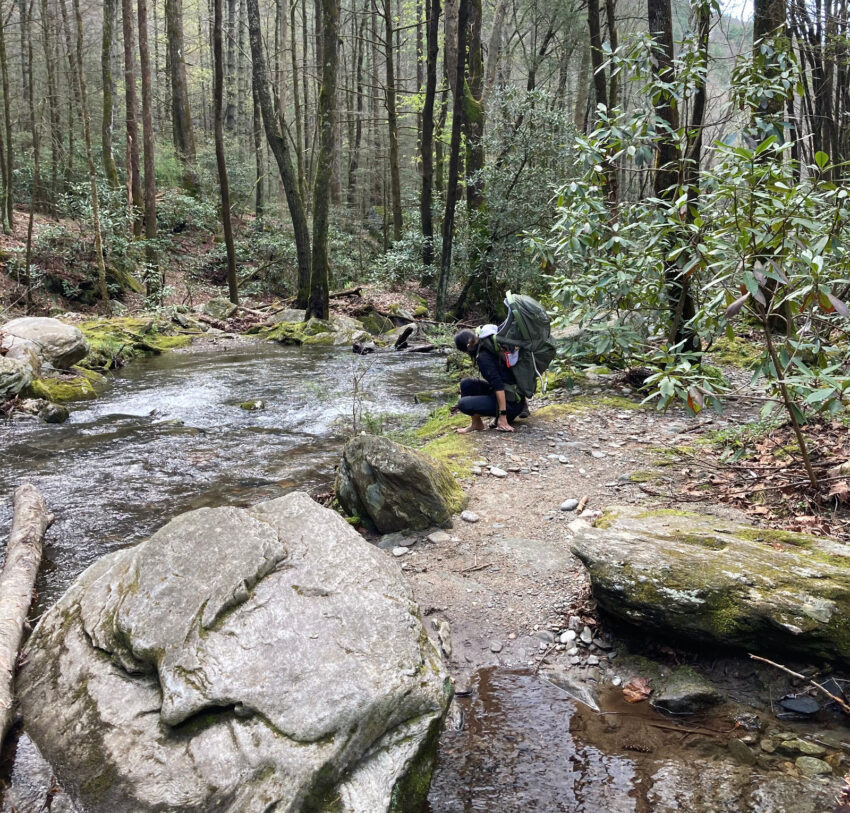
(238, 660)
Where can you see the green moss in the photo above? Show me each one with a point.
(439, 423)
(773, 536)
(702, 541)
(645, 476)
(669, 512)
(587, 403)
(607, 519)
(115, 341)
(83, 385)
(736, 352)
(452, 455)
(420, 310)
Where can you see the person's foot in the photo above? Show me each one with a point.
(477, 425)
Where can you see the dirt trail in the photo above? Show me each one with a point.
(507, 583)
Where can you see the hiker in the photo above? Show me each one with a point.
(496, 396)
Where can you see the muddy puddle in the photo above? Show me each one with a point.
(520, 743)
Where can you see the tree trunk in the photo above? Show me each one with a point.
(153, 279)
(582, 84)
(218, 95)
(596, 55)
(8, 202)
(613, 43)
(392, 121)
(354, 157)
(108, 93)
(79, 78)
(473, 118)
(427, 144)
(230, 111)
(134, 179)
(257, 132)
(181, 115)
(56, 157)
(319, 285)
(30, 521)
(300, 144)
(494, 49)
(280, 149)
(454, 164)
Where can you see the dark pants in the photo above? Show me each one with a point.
(477, 398)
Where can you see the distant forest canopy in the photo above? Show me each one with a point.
(437, 134)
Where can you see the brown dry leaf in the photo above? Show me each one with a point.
(841, 489)
(637, 690)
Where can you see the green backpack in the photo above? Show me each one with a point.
(526, 329)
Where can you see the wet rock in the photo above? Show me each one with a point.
(696, 576)
(54, 342)
(569, 505)
(54, 413)
(742, 752)
(219, 308)
(811, 766)
(252, 406)
(469, 516)
(576, 687)
(395, 488)
(15, 375)
(798, 747)
(768, 745)
(364, 348)
(685, 692)
(801, 704)
(238, 660)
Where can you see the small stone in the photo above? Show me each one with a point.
(469, 516)
(586, 635)
(575, 660)
(593, 660)
(495, 646)
(768, 745)
(802, 747)
(252, 406)
(811, 766)
(547, 636)
(572, 651)
(569, 505)
(477, 470)
(400, 551)
(616, 681)
(568, 637)
(598, 455)
(439, 538)
(512, 636)
(574, 623)
(495, 471)
(562, 459)
(742, 752)
(582, 472)
(804, 704)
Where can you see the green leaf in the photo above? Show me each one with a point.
(821, 159)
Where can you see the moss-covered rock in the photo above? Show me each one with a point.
(114, 342)
(396, 488)
(78, 384)
(337, 331)
(690, 575)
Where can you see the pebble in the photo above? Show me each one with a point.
(568, 637)
(582, 471)
(477, 470)
(742, 752)
(569, 505)
(616, 681)
(811, 766)
(572, 651)
(562, 459)
(400, 551)
(803, 747)
(586, 635)
(574, 623)
(497, 472)
(546, 635)
(439, 538)
(575, 660)
(495, 646)
(469, 516)
(593, 660)
(598, 455)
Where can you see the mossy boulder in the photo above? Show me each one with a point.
(77, 384)
(114, 342)
(337, 331)
(376, 324)
(394, 488)
(239, 661)
(219, 308)
(694, 576)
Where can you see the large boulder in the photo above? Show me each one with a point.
(53, 341)
(15, 375)
(695, 576)
(395, 488)
(238, 660)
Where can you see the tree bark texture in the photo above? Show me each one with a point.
(280, 149)
(392, 121)
(181, 115)
(426, 203)
(454, 164)
(108, 93)
(154, 283)
(134, 175)
(30, 521)
(319, 282)
(8, 199)
(221, 163)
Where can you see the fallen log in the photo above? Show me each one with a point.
(208, 320)
(23, 556)
(346, 292)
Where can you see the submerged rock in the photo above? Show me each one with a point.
(685, 692)
(53, 341)
(238, 660)
(707, 579)
(395, 487)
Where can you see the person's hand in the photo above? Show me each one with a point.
(502, 424)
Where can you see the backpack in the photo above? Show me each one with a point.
(526, 330)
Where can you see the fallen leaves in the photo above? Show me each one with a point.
(637, 690)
